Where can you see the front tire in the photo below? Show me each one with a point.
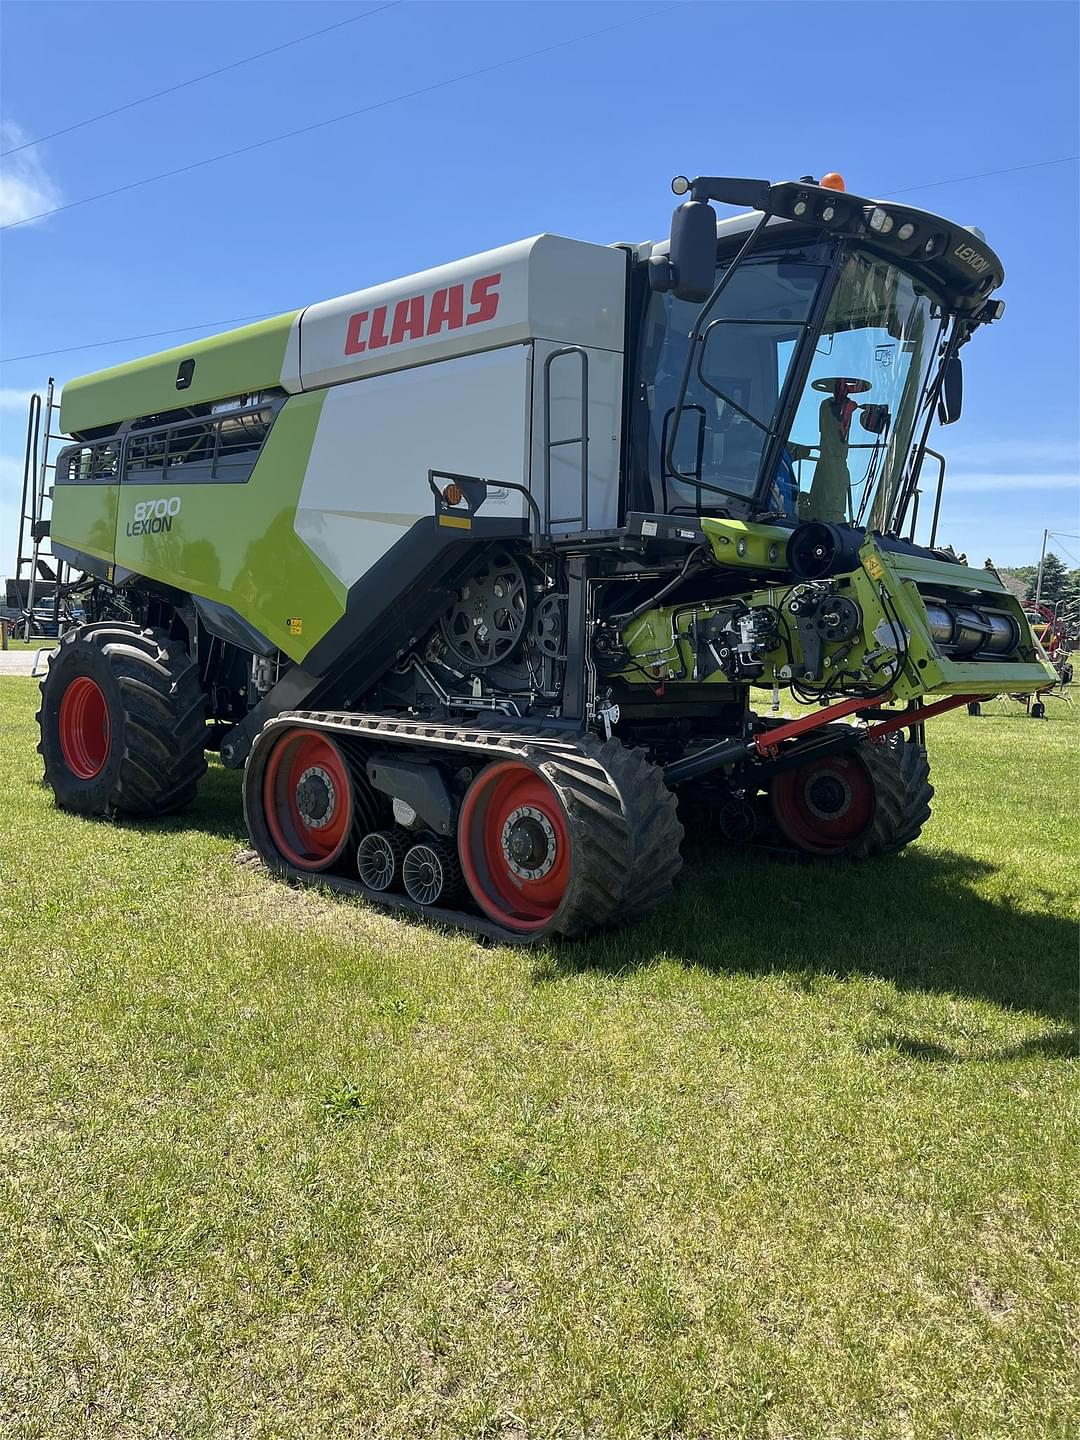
(122, 722)
(870, 800)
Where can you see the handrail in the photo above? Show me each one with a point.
(582, 440)
(937, 498)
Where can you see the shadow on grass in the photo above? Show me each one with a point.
(1054, 1045)
(914, 920)
(218, 809)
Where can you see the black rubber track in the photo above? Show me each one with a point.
(655, 829)
(601, 844)
(625, 835)
(157, 713)
(900, 773)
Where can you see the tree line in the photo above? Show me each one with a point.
(1058, 583)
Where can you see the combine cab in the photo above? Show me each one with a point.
(477, 573)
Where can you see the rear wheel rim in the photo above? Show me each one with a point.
(307, 799)
(825, 806)
(514, 842)
(85, 728)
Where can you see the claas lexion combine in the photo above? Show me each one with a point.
(476, 573)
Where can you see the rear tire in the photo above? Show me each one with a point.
(871, 800)
(122, 722)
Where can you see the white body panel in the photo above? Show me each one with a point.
(366, 478)
(546, 288)
(469, 396)
(604, 387)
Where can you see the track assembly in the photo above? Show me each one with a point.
(557, 834)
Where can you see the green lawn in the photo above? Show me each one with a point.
(796, 1158)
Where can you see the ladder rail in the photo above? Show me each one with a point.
(30, 465)
(30, 563)
(39, 506)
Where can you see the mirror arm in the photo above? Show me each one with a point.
(728, 190)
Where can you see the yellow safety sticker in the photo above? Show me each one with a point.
(458, 522)
(295, 624)
(874, 568)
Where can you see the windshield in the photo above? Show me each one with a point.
(854, 421)
(853, 427)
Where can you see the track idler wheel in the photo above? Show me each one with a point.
(557, 844)
(825, 806)
(515, 842)
(306, 799)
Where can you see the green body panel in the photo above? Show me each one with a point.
(148, 387)
(84, 518)
(659, 639)
(740, 542)
(236, 543)
(907, 578)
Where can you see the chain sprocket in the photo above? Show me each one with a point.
(487, 621)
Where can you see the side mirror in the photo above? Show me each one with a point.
(692, 257)
(951, 398)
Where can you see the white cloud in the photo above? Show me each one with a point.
(14, 400)
(10, 474)
(1016, 453)
(10, 490)
(26, 188)
(1018, 482)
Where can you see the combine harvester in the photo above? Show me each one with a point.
(475, 572)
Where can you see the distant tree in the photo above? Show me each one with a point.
(1053, 580)
(1070, 594)
(1015, 584)
(1024, 572)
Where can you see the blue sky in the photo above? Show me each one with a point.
(582, 140)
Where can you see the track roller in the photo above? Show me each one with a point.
(430, 872)
(379, 857)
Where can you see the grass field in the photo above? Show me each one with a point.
(796, 1158)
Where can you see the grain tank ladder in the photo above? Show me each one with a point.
(31, 568)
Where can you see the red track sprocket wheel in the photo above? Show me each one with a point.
(825, 806)
(515, 847)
